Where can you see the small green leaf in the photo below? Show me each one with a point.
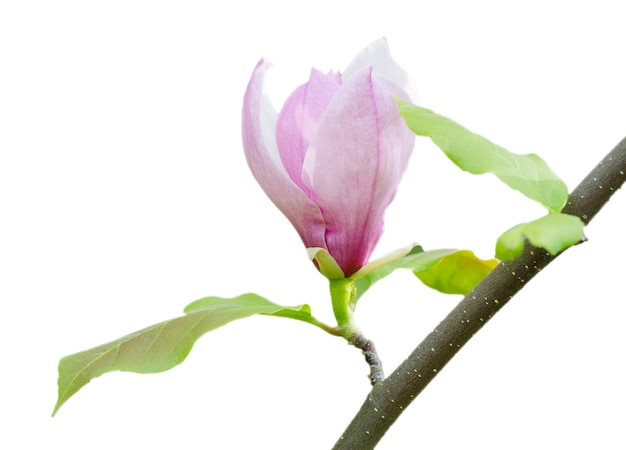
(457, 273)
(387, 259)
(554, 232)
(528, 174)
(417, 260)
(166, 344)
(326, 263)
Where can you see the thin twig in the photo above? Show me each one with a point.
(371, 357)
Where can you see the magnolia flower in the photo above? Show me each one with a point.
(333, 157)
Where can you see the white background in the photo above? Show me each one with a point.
(124, 195)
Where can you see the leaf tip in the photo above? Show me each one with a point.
(57, 407)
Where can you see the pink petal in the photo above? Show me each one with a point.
(259, 142)
(354, 165)
(299, 118)
(378, 56)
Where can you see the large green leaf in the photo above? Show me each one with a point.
(528, 174)
(554, 232)
(166, 344)
(457, 273)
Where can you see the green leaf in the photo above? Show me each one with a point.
(166, 344)
(554, 232)
(326, 263)
(528, 174)
(387, 259)
(417, 261)
(457, 273)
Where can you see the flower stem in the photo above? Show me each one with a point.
(343, 294)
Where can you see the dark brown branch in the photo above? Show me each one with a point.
(388, 399)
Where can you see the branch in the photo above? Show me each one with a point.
(388, 399)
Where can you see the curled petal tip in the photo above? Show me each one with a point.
(378, 56)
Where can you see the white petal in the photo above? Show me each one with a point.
(378, 56)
